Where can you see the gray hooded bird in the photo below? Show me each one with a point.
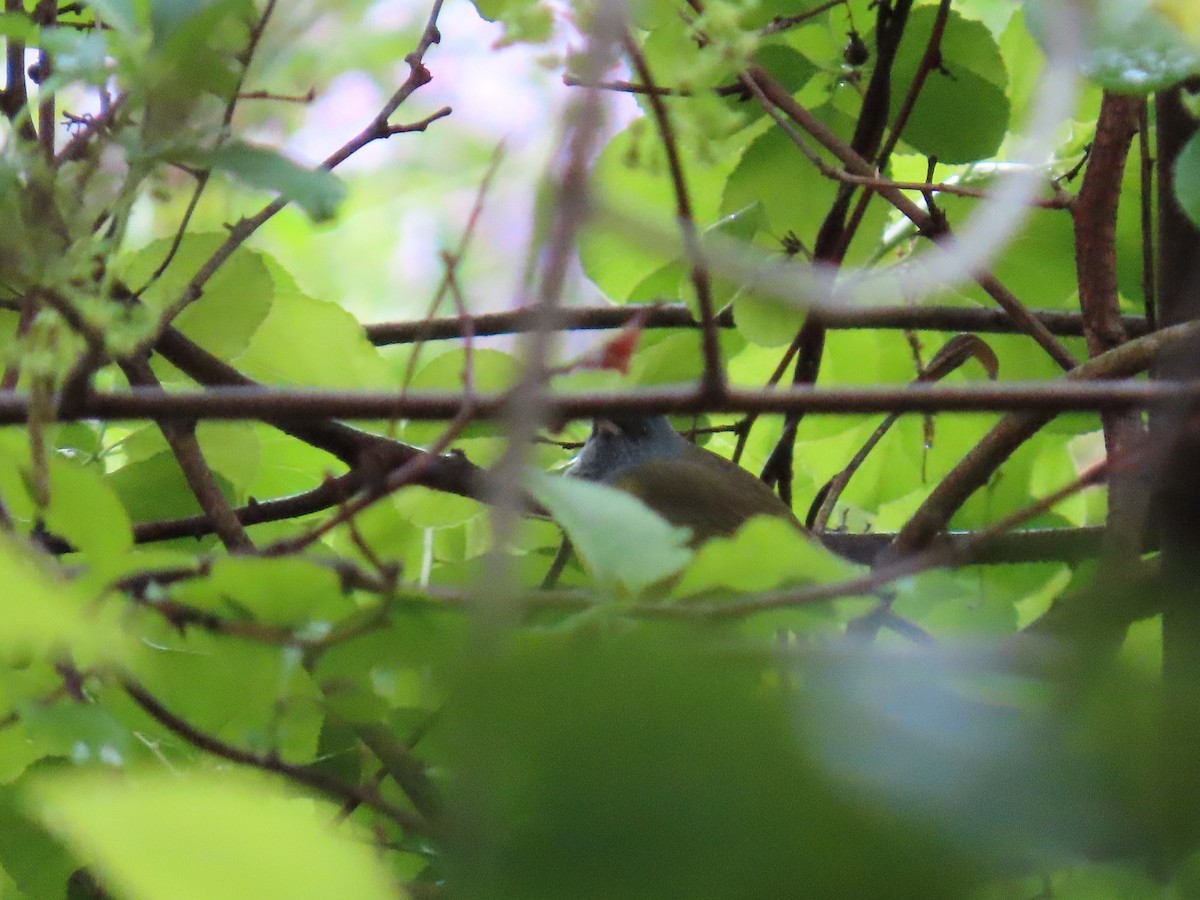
(685, 484)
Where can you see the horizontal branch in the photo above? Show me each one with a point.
(267, 403)
(1068, 545)
(677, 315)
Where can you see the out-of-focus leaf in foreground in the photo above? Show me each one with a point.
(640, 766)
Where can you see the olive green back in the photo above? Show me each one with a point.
(704, 492)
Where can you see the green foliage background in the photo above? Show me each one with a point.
(373, 713)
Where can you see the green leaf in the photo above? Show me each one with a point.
(235, 300)
(1037, 264)
(427, 508)
(961, 114)
(1187, 178)
(741, 225)
(646, 765)
(257, 696)
(524, 20)
(765, 320)
(207, 835)
(318, 190)
(232, 451)
(17, 26)
(766, 552)
(86, 511)
(124, 15)
(346, 358)
(168, 18)
(81, 732)
(44, 613)
(282, 591)
(37, 862)
(156, 489)
(489, 370)
(795, 197)
(630, 176)
(621, 541)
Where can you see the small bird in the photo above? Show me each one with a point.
(685, 484)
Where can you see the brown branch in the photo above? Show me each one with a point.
(349, 445)
(930, 60)
(45, 14)
(1177, 494)
(419, 124)
(312, 778)
(783, 23)
(455, 474)
(973, 471)
(808, 346)
(370, 456)
(1095, 230)
(303, 407)
(464, 328)
(1032, 546)
(677, 315)
(95, 126)
(328, 495)
(527, 405)
(401, 476)
(181, 437)
(14, 98)
(1070, 545)
(939, 555)
(918, 216)
(1061, 200)
(1095, 220)
(619, 86)
(890, 22)
(953, 354)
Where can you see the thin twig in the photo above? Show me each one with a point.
(920, 217)
(223, 133)
(713, 378)
(364, 795)
(974, 470)
(378, 129)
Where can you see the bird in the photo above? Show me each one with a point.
(685, 484)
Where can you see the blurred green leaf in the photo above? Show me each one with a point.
(235, 301)
(620, 539)
(210, 835)
(284, 592)
(318, 191)
(644, 765)
(1187, 178)
(38, 862)
(766, 552)
(86, 511)
(43, 613)
(155, 488)
(1134, 46)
